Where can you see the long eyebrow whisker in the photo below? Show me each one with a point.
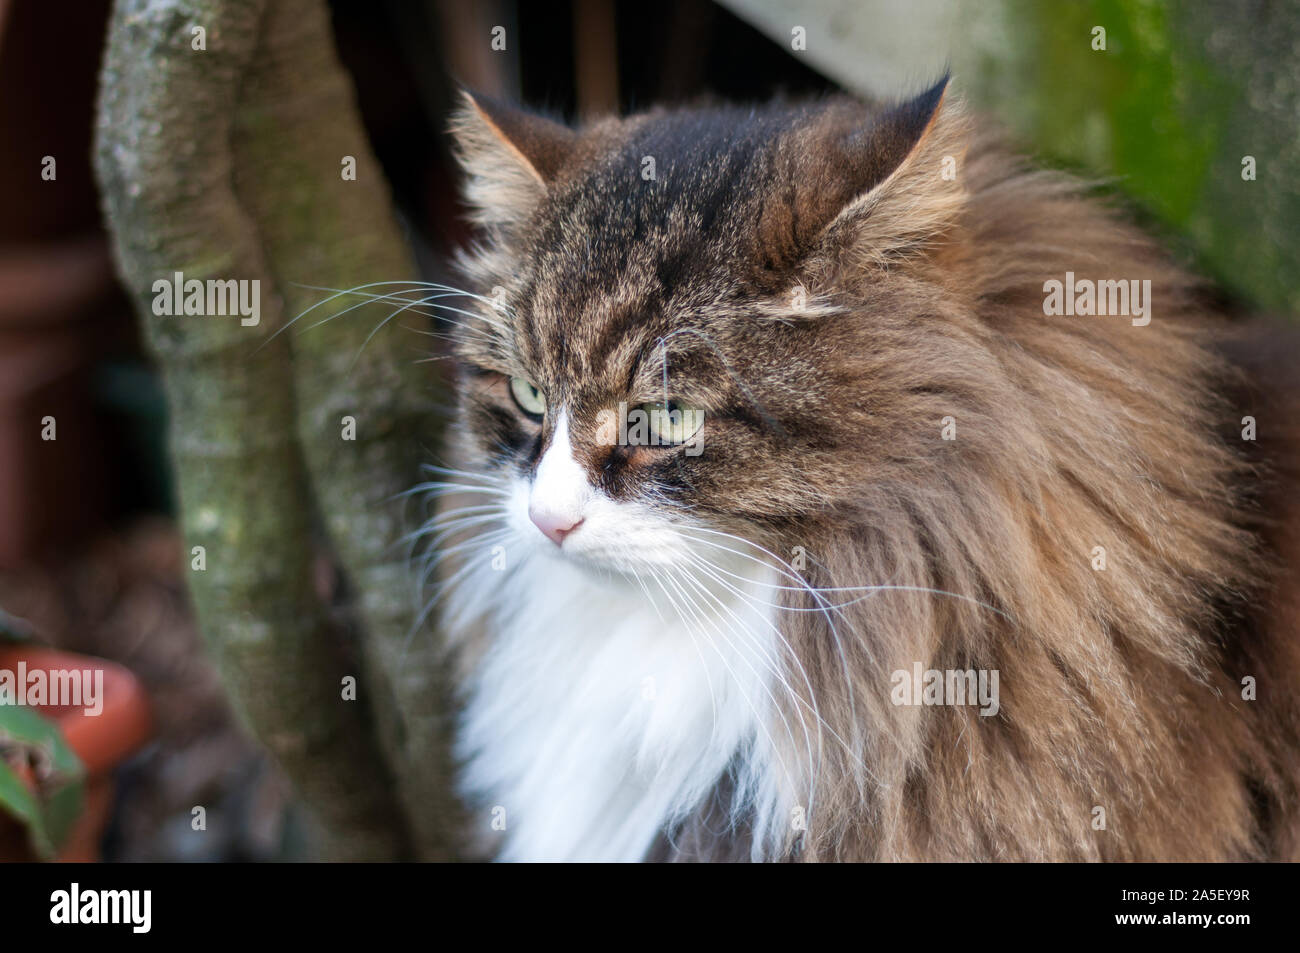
(413, 287)
(439, 312)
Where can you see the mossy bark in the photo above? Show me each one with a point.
(225, 163)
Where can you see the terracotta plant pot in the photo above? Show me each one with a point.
(100, 741)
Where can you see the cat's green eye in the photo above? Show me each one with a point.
(527, 396)
(673, 422)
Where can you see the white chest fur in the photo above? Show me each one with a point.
(597, 716)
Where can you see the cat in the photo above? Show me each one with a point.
(873, 479)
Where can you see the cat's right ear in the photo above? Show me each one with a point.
(510, 157)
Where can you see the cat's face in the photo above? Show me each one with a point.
(664, 353)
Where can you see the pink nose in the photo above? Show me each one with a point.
(554, 526)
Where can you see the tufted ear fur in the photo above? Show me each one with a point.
(876, 184)
(510, 157)
(921, 197)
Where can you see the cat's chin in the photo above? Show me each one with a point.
(619, 567)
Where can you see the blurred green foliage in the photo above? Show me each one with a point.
(1183, 91)
(48, 810)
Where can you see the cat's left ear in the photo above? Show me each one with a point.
(510, 157)
(886, 185)
(923, 142)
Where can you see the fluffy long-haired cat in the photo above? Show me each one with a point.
(831, 485)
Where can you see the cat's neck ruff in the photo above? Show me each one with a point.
(601, 711)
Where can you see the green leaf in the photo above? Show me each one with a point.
(49, 812)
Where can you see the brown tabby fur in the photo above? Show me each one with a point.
(1120, 689)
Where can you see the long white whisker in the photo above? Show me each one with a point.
(485, 542)
(713, 697)
(868, 590)
(418, 305)
(789, 571)
(810, 704)
(770, 664)
(700, 615)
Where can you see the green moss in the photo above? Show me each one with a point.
(1166, 112)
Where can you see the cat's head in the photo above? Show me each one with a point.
(693, 318)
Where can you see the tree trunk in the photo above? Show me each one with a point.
(225, 163)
